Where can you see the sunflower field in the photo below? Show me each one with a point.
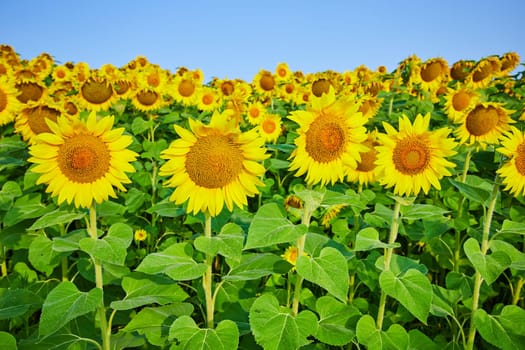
(142, 208)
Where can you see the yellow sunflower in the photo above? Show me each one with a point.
(9, 105)
(214, 165)
(81, 161)
(431, 74)
(208, 99)
(364, 173)
(513, 170)
(255, 111)
(458, 101)
(461, 69)
(484, 124)
(270, 127)
(413, 158)
(96, 93)
(264, 83)
(282, 72)
(184, 89)
(32, 120)
(509, 62)
(330, 135)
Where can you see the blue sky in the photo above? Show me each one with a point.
(235, 39)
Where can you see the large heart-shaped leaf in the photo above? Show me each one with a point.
(412, 289)
(334, 316)
(489, 266)
(228, 242)
(187, 335)
(275, 328)
(504, 331)
(329, 270)
(395, 338)
(65, 303)
(112, 248)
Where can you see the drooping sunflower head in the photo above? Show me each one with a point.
(512, 171)
(431, 74)
(82, 160)
(482, 73)
(484, 124)
(215, 165)
(413, 158)
(330, 134)
(509, 62)
(461, 69)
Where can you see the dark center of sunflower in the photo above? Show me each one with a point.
(36, 118)
(366, 106)
(84, 158)
(70, 108)
(3, 100)
(154, 80)
(520, 159)
(282, 72)
(146, 97)
(186, 88)
(269, 126)
(267, 82)
(460, 70)
(411, 156)
(368, 158)
(61, 73)
(430, 71)
(320, 86)
(96, 92)
(460, 100)
(254, 112)
(481, 120)
(482, 72)
(29, 92)
(121, 87)
(289, 88)
(227, 88)
(325, 140)
(214, 161)
(207, 99)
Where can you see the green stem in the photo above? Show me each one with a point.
(394, 229)
(64, 262)
(3, 265)
(478, 280)
(517, 292)
(307, 215)
(207, 278)
(461, 199)
(99, 282)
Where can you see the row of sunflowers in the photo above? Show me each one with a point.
(382, 193)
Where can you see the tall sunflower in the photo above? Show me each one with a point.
(330, 135)
(214, 165)
(513, 170)
(484, 124)
(413, 158)
(9, 105)
(270, 127)
(81, 161)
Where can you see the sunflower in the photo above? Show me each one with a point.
(270, 127)
(330, 134)
(413, 158)
(365, 171)
(81, 161)
(482, 73)
(32, 120)
(513, 170)
(214, 165)
(184, 89)
(282, 72)
(208, 99)
(369, 105)
(9, 105)
(264, 83)
(458, 101)
(430, 74)
(255, 111)
(509, 62)
(96, 93)
(461, 69)
(484, 124)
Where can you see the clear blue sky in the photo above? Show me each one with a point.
(234, 39)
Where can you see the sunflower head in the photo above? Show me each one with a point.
(270, 127)
(81, 160)
(512, 171)
(413, 158)
(214, 165)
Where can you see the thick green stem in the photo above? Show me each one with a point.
(207, 278)
(307, 214)
(461, 199)
(394, 229)
(106, 334)
(517, 291)
(478, 280)
(3, 265)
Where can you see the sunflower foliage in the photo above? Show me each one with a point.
(147, 209)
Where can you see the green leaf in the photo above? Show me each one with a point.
(395, 338)
(175, 261)
(444, 301)
(254, 266)
(400, 264)
(489, 266)
(422, 211)
(334, 318)
(135, 199)
(228, 242)
(8, 341)
(27, 207)
(113, 247)
(329, 270)
(10, 190)
(418, 341)
(155, 322)
(274, 327)
(65, 303)
(187, 335)
(167, 209)
(513, 227)
(16, 302)
(517, 258)
(494, 328)
(144, 289)
(56, 217)
(473, 193)
(152, 149)
(269, 227)
(140, 125)
(42, 256)
(368, 239)
(412, 289)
